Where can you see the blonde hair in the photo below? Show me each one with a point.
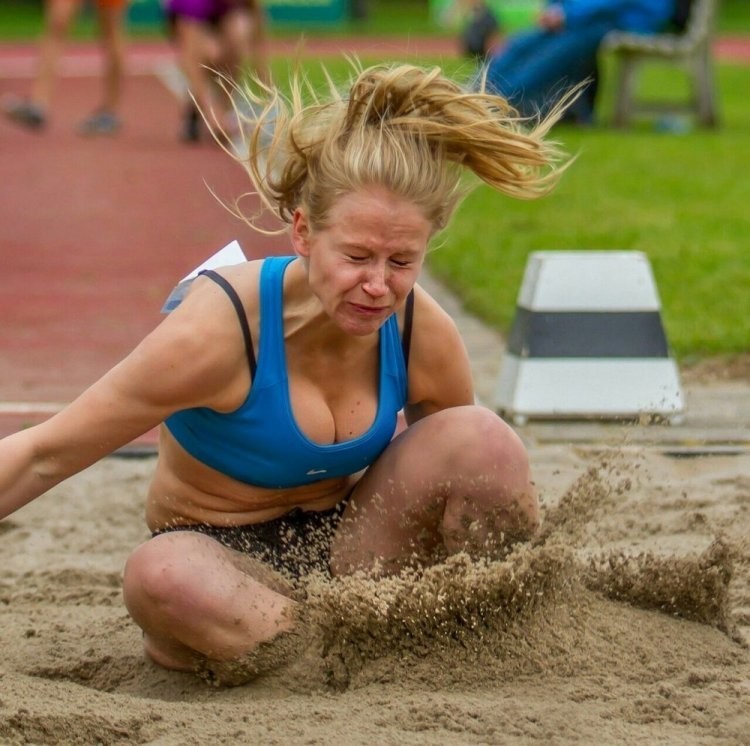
(402, 127)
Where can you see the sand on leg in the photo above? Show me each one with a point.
(458, 480)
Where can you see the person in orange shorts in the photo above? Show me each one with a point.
(33, 112)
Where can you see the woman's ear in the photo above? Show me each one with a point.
(300, 233)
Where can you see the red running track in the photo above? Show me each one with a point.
(94, 234)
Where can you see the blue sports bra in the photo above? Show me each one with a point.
(260, 443)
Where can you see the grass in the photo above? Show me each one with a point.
(682, 199)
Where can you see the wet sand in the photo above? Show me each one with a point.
(627, 620)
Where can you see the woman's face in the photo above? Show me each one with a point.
(364, 263)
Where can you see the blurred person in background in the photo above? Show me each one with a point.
(216, 38)
(481, 32)
(534, 68)
(33, 112)
(479, 28)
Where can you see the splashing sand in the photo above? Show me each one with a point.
(624, 620)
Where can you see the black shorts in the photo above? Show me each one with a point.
(295, 544)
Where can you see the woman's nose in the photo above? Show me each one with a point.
(375, 282)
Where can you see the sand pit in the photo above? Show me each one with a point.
(627, 620)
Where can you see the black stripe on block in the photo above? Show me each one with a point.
(587, 334)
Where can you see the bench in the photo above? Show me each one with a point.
(688, 44)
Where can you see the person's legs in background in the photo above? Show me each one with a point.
(212, 40)
(243, 51)
(243, 56)
(505, 68)
(197, 48)
(537, 68)
(111, 18)
(33, 111)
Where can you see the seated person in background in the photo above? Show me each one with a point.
(213, 37)
(536, 66)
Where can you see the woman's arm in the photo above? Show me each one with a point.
(98, 422)
(173, 368)
(439, 369)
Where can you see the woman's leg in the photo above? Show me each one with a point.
(111, 18)
(58, 17)
(458, 480)
(243, 44)
(198, 48)
(196, 599)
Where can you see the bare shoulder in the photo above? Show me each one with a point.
(208, 303)
(429, 308)
(439, 370)
(435, 334)
(244, 278)
(198, 348)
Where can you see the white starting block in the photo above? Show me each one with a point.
(588, 342)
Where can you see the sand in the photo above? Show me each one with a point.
(627, 620)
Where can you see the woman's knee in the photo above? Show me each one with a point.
(492, 475)
(474, 438)
(157, 575)
(479, 456)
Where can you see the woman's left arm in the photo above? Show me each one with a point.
(439, 370)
